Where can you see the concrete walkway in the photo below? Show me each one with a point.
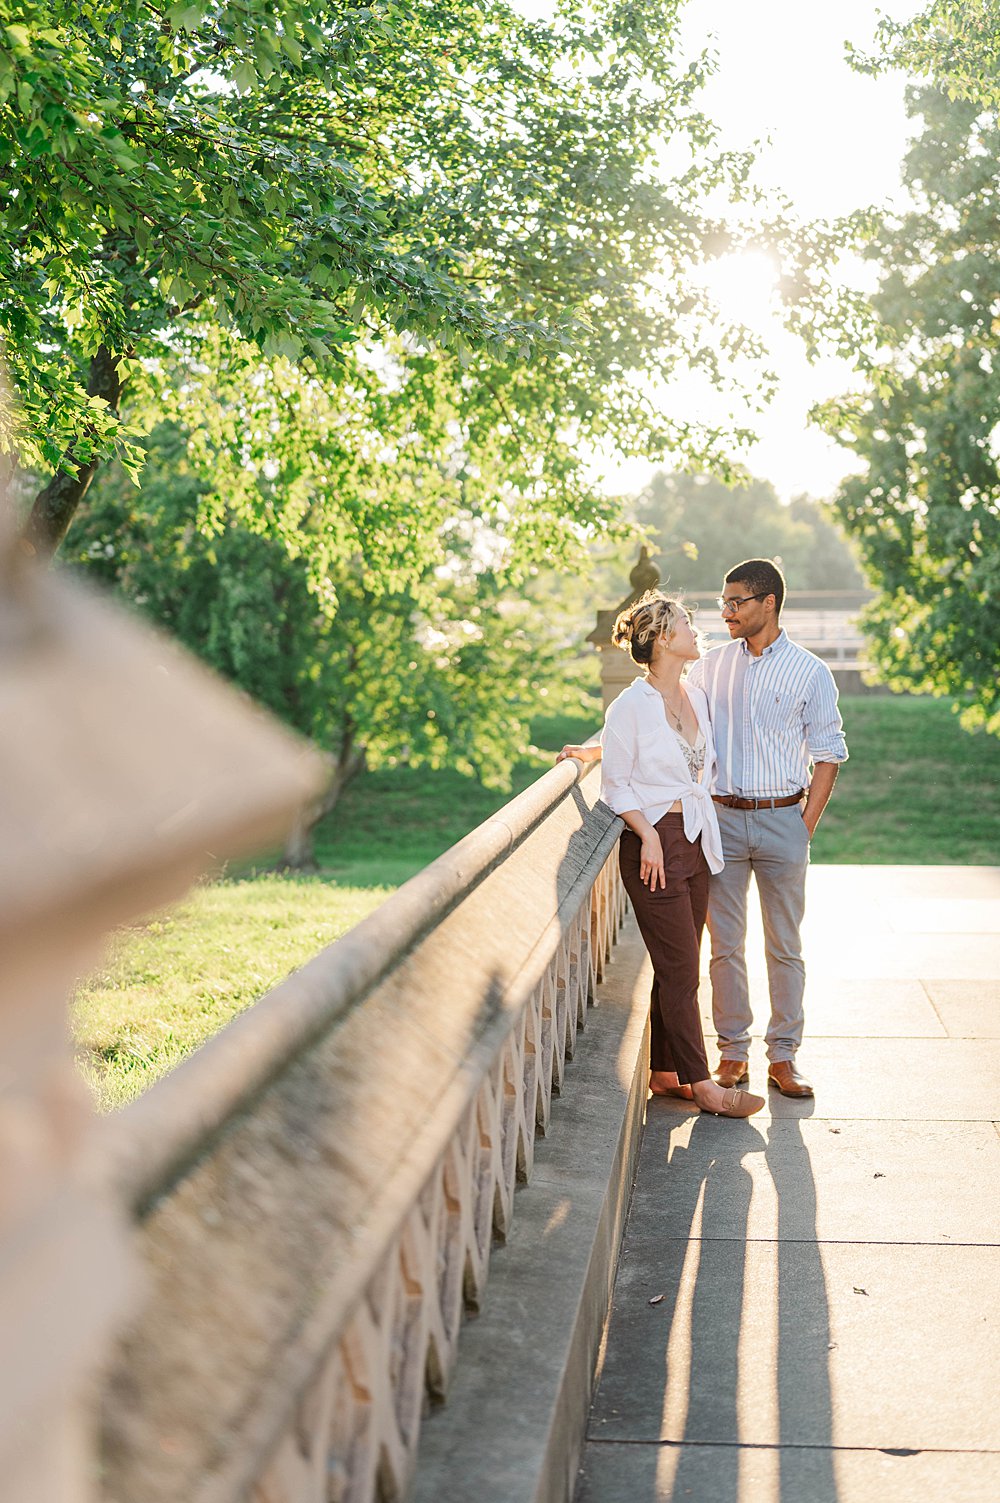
(806, 1308)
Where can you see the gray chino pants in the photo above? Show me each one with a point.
(773, 844)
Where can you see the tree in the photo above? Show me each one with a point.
(405, 175)
(700, 528)
(388, 271)
(444, 672)
(925, 507)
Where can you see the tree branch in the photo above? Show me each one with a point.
(56, 503)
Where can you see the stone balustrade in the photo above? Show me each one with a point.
(316, 1191)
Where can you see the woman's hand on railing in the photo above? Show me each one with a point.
(590, 753)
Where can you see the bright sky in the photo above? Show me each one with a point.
(837, 139)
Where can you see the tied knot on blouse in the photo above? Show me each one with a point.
(645, 765)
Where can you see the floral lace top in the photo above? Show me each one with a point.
(694, 756)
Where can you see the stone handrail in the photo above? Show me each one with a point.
(315, 1192)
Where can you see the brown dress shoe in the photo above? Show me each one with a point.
(783, 1074)
(732, 1072)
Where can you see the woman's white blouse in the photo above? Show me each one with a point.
(643, 766)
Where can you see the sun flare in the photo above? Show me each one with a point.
(743, 286)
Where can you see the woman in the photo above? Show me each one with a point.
(657, 773)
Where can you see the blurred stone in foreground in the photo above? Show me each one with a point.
(126, 771)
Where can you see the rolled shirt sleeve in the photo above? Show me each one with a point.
(617, 764)
(824, 729)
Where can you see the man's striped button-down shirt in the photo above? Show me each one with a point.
(772, 716)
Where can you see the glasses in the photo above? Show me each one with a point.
(730, 607)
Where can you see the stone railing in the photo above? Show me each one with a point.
(316, 1191)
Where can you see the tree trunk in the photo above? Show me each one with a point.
(299, 854)
(56, 504)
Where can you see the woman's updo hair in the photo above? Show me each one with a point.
(637, 627)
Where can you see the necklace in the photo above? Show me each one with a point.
(675, 715)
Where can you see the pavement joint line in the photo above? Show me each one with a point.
(861, 1121)
(926, 991)
(822, 1241)
(791, 1445)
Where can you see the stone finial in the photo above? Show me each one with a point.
(617, 668)
(644, 575)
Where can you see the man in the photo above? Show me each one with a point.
(774, 712)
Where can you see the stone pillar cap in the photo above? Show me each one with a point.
(643, 576)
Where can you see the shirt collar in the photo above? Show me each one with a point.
(780, 642)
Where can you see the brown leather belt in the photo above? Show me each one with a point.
(732, 802)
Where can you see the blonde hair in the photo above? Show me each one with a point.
(637, 627)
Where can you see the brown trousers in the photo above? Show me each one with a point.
(671, 921)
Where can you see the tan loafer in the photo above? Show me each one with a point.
(783, 1074)
(737, 1104)
(732, 1072)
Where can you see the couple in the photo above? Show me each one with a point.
(709, 773)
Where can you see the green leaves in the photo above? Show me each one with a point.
(351, 614)
(390, 271)
(925, 505)
(235, 163)
(187, 16)
(955, 45)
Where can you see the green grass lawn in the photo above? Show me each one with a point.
(917, 789)
(388, 825)
(170, 983)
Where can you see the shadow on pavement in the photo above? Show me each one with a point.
(805, 1404)
(687, 1407)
